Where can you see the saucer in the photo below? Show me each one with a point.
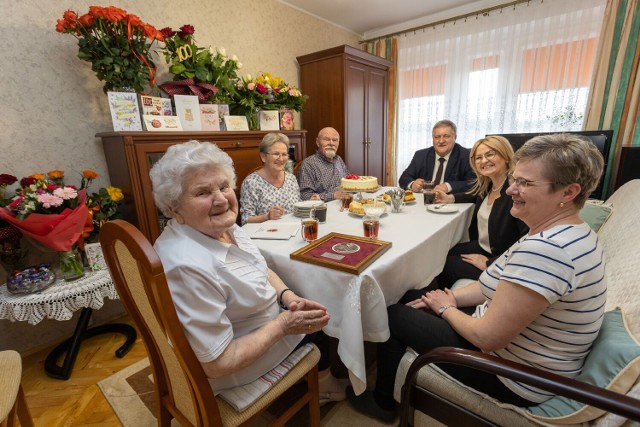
(442, 209)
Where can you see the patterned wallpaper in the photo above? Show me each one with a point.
(52, 105)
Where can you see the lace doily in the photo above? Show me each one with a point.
(58, 301)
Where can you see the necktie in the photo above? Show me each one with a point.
(439, 172)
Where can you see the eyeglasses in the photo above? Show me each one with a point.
(522, 183)
(488, 155)
(279, 155)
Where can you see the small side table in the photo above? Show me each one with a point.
(58, 302)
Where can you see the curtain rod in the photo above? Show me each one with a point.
(455, 18)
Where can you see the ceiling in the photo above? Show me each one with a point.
(375, 18)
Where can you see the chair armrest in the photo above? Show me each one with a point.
(586, 393)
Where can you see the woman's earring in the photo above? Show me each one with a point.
(562, 204)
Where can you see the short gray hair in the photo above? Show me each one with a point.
(271, 138)
(446, 123)
(169, 173)
(566, 159)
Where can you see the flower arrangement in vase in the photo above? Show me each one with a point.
(116, 43)
(205, 72)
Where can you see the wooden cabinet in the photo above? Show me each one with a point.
(348, 90)
(130, 155)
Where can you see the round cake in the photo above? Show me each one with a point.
(359, 183)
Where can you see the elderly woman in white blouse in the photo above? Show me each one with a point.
(269, 192)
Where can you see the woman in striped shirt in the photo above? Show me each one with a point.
(541, 303)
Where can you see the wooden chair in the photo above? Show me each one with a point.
(182, 389)
(12, 399)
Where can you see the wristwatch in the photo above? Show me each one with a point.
(444, 308)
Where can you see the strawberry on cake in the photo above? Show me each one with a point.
(359, 183)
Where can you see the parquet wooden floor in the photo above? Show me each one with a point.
(77, 401)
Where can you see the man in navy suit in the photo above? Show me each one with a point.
(455, 175)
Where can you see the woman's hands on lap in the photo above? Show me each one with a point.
(433, 300)
(477, 260)
(304, 317)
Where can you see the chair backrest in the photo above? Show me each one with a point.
(182, 387)
(620, 238)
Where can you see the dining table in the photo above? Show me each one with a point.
(420, 239)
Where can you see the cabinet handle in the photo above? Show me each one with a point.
(238, 143)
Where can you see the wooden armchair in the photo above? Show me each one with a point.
(181, 386)
(438, 406)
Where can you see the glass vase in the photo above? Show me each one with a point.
(71, 265)
(253, 118)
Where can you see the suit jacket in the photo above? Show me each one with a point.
(458, 172)
(504, 229)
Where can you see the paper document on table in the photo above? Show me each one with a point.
(278, 231)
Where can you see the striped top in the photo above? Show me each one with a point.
(564, 264)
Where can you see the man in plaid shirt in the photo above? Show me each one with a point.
(319, 175)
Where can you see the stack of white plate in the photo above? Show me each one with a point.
(303, 209)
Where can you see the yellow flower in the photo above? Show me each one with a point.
(115, 194)
(56, 174)
(89, 174)
(38, 176)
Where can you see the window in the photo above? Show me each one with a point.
(523, 69)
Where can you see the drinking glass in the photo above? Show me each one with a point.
(371, 225)
(428, 192)
(347, 198)
(375, 209)
(309, 229)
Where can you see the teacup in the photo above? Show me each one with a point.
(319, 212)
(309, 229)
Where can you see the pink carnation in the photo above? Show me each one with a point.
(251, 86)
(49, 200)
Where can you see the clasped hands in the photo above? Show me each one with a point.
(304, 317)
(433, 300)
(275, 212)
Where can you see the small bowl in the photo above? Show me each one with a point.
(32, 279)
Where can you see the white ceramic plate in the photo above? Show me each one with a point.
(307, 204)
(442, 209)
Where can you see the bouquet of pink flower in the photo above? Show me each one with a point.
(48, 211)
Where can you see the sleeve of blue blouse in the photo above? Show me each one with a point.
(201, 308)
(248, 201)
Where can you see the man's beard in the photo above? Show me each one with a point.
(329, 154)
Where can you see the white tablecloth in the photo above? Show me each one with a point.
(357, 304)
(58, 301)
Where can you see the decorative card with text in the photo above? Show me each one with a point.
(209, 117)
(188, 109)
(125, 113)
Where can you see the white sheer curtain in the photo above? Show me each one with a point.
(525, 68)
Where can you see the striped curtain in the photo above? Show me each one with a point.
(387, 48)
(614, 96)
